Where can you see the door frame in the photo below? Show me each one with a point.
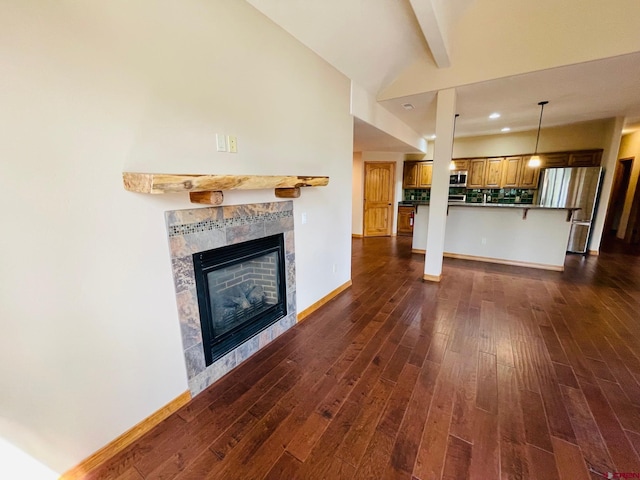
(394, 166)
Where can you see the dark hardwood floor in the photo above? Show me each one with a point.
(495, 373)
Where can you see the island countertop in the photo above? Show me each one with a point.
(489, 205)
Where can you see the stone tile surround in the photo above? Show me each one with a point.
(196, 230)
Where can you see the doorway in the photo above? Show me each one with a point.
(379, 183)
(618, 195)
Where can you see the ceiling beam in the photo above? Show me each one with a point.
(426, 15)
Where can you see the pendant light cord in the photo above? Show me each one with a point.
(542, 104)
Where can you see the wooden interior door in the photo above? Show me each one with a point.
(379, 180)
(618, 195)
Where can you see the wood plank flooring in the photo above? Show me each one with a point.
(495, 373)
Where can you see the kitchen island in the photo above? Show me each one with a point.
(512, 234)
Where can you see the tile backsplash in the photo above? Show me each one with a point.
(501, 195)
(477, 195)
(417, 194)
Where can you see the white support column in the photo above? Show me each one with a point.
(442, 155)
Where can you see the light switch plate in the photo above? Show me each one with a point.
(221, 141)
(232, 142)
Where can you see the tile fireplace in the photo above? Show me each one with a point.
(234, 276)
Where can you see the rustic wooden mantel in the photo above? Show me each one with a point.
(207, 189)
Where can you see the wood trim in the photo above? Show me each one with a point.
(500, 261)
(327, 298)
(126, 439)
(594, 252)
(357, 235)
(431, 278)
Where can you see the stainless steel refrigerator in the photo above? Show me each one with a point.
(573, 187)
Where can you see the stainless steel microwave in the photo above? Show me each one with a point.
(458, 178)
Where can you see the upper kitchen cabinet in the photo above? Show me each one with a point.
(552, 160)
(410, 175)
(475, 177)
(580, 158)
(587, 158)
(493, 175)
(529, 176)
(425, 171)
(461, 164)
(511, 170)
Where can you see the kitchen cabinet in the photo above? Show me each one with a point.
(417, 174)
(425, 171)
(493, 172)
(554, 160)
(475, 177)
(585, 159)
(410, 175)
(405, 220)
(461, 164)
(511, 171)
(529, 176)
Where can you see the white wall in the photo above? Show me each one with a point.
(90, 339)
(366, 108)
(578, 136)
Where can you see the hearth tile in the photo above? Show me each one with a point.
(288, 322)
(291, 302)
(290, 266)
(265, 337)
(222, 366)
(178, 246)
(278, 225)
(201, 242)
(199, 383)
(183, 274)
(244, 233)
(189, 317)
(193, 215)
(289, 242)
(194, 358)
(247, 349)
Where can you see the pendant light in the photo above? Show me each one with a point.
(452, 164)
(535, 160)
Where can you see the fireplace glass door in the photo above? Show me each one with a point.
(241, 291)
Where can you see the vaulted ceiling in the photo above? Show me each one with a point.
(505, 56)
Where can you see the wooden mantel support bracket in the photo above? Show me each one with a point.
(524, 213)
(206, 198)
(293, 192)
(569, 215)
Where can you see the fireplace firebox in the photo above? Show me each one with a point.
(241, 290)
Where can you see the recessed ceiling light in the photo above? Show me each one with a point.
(433, 137)
(494, 115)
(505, 129)
(407, 106)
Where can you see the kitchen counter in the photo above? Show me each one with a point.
(491, 205)
(524, 206)
(514, 234)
